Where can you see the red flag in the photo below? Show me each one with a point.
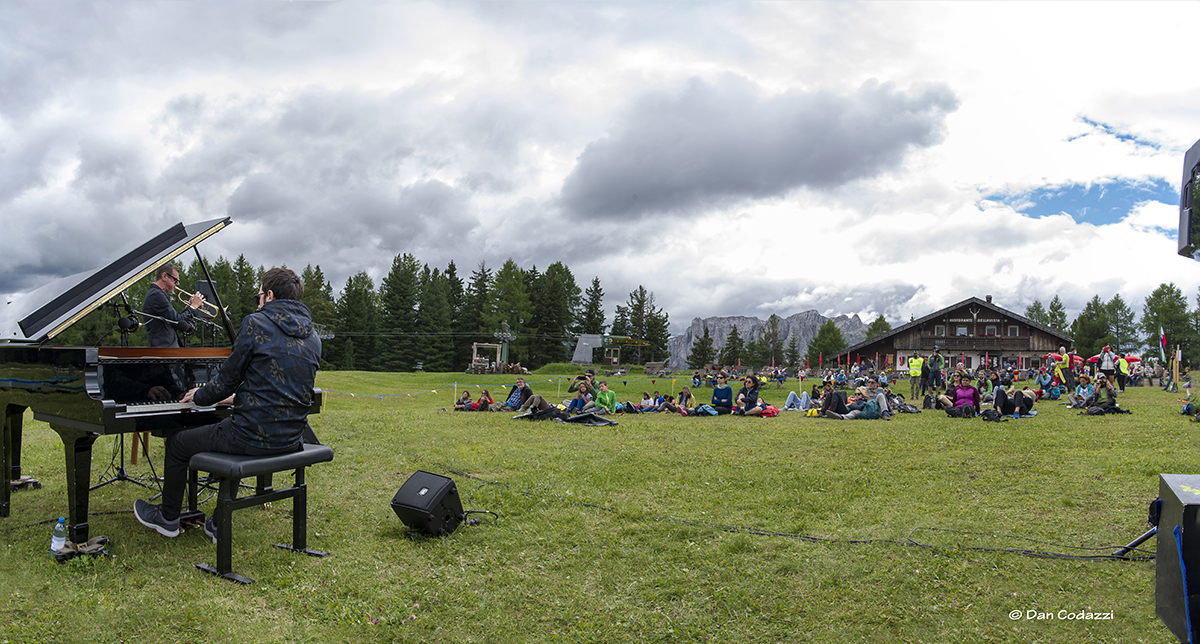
(856, 358)
(820, 359)
(807, 365)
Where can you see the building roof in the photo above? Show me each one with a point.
(1066, 338)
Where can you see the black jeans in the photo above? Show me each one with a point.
(182, 445)
(835, 401)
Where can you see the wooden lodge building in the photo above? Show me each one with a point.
(973, 332)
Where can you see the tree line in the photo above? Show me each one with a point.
(423, 315)
(1115, 323)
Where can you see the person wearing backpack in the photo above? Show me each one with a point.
(875, 406)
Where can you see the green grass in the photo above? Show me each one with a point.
(643, 532)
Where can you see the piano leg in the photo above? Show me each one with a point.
(77, 446)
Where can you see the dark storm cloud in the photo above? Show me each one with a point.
(712, 143)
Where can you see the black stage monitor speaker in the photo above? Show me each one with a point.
(1177, 561)
(429, 503)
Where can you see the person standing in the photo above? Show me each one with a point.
(1108, 362)
(915, 364)
(162, 332)
(1122, 373)
(936, 363)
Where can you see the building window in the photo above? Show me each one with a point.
(1014, 331)
(989, 331)
(962, 330)
(939, 331)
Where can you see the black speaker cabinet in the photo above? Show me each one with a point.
(1177, 561)
(429, 503)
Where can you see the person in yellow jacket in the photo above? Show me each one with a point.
(1122, 372)
(914, 375)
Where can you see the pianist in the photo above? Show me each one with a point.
(270, 372)
(158, 304)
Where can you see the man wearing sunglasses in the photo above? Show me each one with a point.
(160, 333)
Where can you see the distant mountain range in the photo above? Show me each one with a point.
(802, 325)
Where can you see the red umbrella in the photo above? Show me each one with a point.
(1093, 359)
(1132, 359)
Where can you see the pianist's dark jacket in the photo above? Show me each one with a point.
(272, 369)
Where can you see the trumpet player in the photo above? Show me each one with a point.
(158, 303)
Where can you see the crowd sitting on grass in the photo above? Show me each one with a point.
(965, 394)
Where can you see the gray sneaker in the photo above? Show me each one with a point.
(210, 529)
(151, 516)
(829, 413)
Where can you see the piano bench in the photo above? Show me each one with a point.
(228, 470)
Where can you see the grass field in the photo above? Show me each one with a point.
(661, 529)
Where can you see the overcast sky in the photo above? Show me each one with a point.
(733, 158)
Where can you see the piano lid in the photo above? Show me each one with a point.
(44, 313)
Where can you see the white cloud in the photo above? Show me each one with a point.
(450, 131)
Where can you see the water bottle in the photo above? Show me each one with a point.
(58, 538)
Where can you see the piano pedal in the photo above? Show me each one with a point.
(189, 520)
(25, 483)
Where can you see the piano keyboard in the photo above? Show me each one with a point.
(147, 409)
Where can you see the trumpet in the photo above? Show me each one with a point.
(207, 308)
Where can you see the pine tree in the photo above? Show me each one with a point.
(1056, 315)
(398, 301)
(733, 349)
(1037, 313)
(773, 342)
(702, 353)
(358, 319)
(245, 299)
(510, 305)
(457, 296)
(433, 346)
(755, 352)
(1090, 331)
(641, 320)
(592, 318)
(1167, 306)
(1122, 325)
(878, 327)
(791, 355)
(828, 342)
(556, 300)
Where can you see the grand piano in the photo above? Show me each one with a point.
(87, 392)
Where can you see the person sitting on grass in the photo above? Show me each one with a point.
(748, 400)
(833, 400)
(583, 395)
(484, 403)
(463, 403)
(517, 398)
(686, 401)
(604, 401)
(647, 403)
(722, 397)
(587, 378)
(1104, 401)
(1010, 402)
(799, 403)
(668, 404)
(874, 406)
(961, 395)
